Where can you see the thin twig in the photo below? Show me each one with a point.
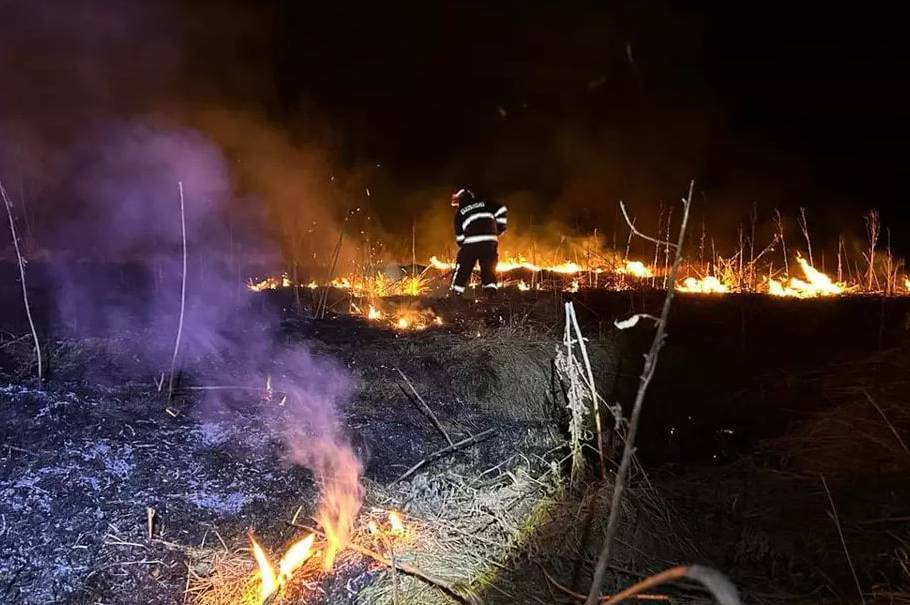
(639, 233)
(629, 448)
(28, 310)
(426, 408)
(451, 588)
(592, 387)
(12, 342)
(842, 540)
(578, 595)
(446, 450)
(170, 382)
(888, 422)
(715, 582)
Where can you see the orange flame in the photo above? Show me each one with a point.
(635, 268)
(396, 523)
(815, 284)
(266, 571)
(295, 556)
(708, 285)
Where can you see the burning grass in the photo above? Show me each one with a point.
(247, 576)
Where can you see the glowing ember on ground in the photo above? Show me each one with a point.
(635, 268)
(270, 283)
(707, 285)
(342, 283)
(396, 523)
(816, 284)
(524, 287)
(373, 313)
(572, 287)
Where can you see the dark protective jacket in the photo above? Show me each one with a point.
(478, 221)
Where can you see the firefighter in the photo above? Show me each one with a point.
(478, 225)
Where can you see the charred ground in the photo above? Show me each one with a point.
(754, 398)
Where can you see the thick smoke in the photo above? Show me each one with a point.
(130, 210)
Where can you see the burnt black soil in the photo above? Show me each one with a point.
(83, 457)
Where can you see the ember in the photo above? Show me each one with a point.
(396, 523)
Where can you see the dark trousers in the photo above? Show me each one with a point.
(484, 253)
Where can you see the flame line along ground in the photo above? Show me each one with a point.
(460, 592)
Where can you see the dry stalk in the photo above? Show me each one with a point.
(28, 309)
(592, 387)
(804, 227)
(888, 422)
(715, 582)
(843, 542)
(170, 382)
(646, 376)
(604, 598)
(873, 230)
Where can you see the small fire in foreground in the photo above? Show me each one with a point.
(271, 582)
(298, 554)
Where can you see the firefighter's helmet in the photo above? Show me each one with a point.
(460, 195)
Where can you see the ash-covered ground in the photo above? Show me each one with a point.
(755, 399)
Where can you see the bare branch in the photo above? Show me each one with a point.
(634, 230)
(629, 449)
(170, 382)
(28, 311)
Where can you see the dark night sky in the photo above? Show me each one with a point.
(578, 104)
(800, 105)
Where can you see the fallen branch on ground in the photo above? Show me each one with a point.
(604, 598)
(426, 408)
(438, 454)
(457, 590)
